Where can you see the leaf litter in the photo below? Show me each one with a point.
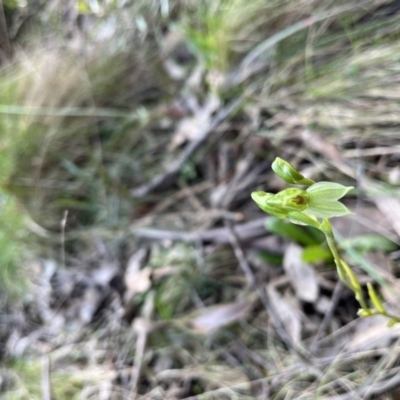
(142, 256)
(302, 275)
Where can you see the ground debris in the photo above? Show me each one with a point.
(132, 134)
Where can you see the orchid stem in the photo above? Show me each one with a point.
(345, 273)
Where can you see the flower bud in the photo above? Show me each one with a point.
(289, 174)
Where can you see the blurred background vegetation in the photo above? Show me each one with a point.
(132, 133)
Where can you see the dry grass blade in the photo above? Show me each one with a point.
(155, 292)
(288, 316)
(142, 327)
(280, 328)
(46, 386)
(247, 231)
(372, 333)
(190, 149)
(388, 204)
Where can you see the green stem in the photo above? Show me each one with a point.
(345, 273)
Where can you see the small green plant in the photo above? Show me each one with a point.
(313, 207)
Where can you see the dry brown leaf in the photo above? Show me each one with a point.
(164, 272)
(89, 304)
(137, 280)
(193, 127)
(143, 325)
(288, 315)
(213, 318)
(103, 274)
(394, 176)
(372, 333)
(174, 70)
(301, 274)
(223, 375)
(323, 305)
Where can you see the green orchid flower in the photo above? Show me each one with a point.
(319, 200)
(314, 206)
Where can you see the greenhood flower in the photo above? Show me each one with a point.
(281, 204)
(319, 200)
(314, 207)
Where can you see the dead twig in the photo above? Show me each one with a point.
(245, 232)
(46, 387)
(142, 326)
(5, 42)
(245, 266)
(328, 316)
(378, 388)
(173, 169)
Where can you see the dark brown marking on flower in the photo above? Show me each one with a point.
(299, 200)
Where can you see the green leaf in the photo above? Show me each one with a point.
(370, 242)
(271, 258)
(289, 174)
(392, 322)
(288, 230)
(83, 7)
(315, 234)
(376, 301)
(355, 284)
(315, 253)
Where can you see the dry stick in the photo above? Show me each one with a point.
(142, 329)
(63, 223)
(18, 29)
(377, 388)
(46, 387)
(253, 355)
(182, 194)
(328, 316)
(365, 391)
(173, 169)
(4, 38)
(245, 232)
(244, 265)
